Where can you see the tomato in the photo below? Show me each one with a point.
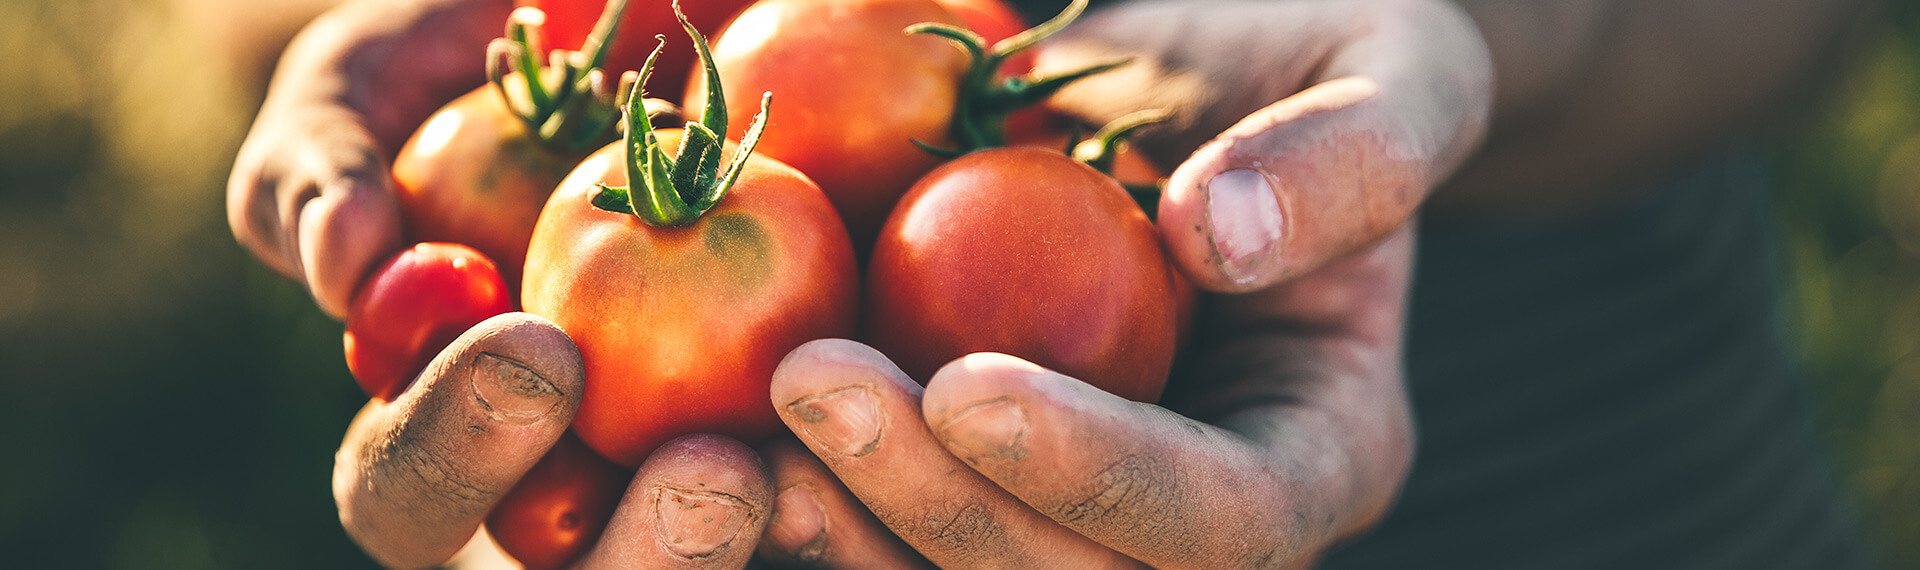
(473, 174)
(680, 327)
(557, 511)
(569, 21)
(854, 92)
(684, 284)
(1025, 251)
(479, 170)
(414, 305)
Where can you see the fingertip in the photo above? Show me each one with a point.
(414, 478)
(1224, 226)
(700, 500)
(352, 224)
(976, 378)
(824, 364)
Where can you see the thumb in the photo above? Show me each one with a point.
(1305, 180)
(1333, 135)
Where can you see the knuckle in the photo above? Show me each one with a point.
(1129, 501)
(956, 525)
(424, 475)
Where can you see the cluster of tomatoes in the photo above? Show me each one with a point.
(685, 263)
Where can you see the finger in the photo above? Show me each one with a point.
(700, 501)
(1165, 489)
(861, 416)
(414, 478)
(1358, 112)
(818, 523)
(352, 225)
(310, 196)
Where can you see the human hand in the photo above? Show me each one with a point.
(310, 192)
(1288, 432)
(1304, 131)
(415, 478)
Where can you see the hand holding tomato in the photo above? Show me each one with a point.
(1288, 428)
(415, 477)
(1289, 432)
(310, 193)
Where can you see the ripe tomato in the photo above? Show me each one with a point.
(569, 21)
(413, 306)
(854, 92)
(680, 327)
(557, 511)
(1025, 251)
(473, 174)
(479, 170)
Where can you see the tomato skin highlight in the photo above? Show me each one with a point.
(1027, 252)
(413, 306)
(853, 91)
(569, 22)
(472, 174)
(558, 510)
(680, 328)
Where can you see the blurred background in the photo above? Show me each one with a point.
(166, 402)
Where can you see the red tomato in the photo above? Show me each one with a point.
(853, 90)
(557, 511)
(1025, 251)
(569, 21)
(473, 174)
(680, 327)
(416, 304)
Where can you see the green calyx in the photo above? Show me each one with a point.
(665, 191)
(1100, 151)
(985, 101)
(563, 101)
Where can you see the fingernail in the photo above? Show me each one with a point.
(799, 524)
(510, 391)
(694, 524)
(845, 421)
(1246, 222)
(990, 429)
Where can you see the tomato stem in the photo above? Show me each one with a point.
(563, 103)
(665, 191)
(1099, 151)
(985, 102)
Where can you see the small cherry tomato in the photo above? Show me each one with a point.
(413, 306)
(558, 510)
(1028, 252)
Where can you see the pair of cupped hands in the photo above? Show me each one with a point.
(1306, 133)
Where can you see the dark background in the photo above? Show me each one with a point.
(166, 402)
